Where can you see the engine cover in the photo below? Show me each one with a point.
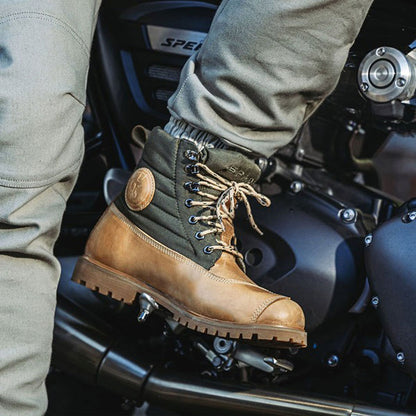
(391, 266)
(307, 252)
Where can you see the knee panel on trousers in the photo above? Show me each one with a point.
(43, 69)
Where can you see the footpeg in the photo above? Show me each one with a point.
(147, 306)
(235, 353)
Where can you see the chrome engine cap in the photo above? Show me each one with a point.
(386, 74)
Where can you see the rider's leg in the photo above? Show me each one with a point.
(44, 56)
(264, 68)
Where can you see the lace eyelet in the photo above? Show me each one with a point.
(192, 186)
(191, 155)
(208, 249)
(192, 220)
(198, 236)
(188, 203)
(192, 169)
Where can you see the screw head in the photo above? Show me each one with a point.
(296, 187)
(332, 361)
(409, 217)
(301, 153)
(401, 82)
(375, 301)
(348, 215)
(400, 357)
(364, 87)
(380, 51)
(368, 239)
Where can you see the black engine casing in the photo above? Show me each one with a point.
(391, 266)
(307, 252)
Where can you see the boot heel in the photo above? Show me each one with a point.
(104, 281)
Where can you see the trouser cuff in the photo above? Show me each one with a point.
(182, 130)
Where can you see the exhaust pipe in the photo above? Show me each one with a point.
(169, 389)
(89, 349)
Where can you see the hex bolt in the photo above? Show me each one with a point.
(301, 153)
(222, 345)
(293, 351)
(332, 361)
(409, 217)
(348, 215)
(401, 82)
(375, 301)
(368, 239)
(296, 187)
(400, 357)
(364, 87)
(380, 51)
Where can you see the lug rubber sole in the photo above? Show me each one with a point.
(125, 288)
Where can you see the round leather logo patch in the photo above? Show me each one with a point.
(140, 189)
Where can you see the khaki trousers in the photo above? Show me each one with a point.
(44, 57)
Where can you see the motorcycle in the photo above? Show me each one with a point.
(332, 240)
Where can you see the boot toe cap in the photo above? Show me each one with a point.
(283, 312)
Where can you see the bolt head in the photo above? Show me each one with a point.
(293, 351)
(375, 301)
(401, 82)
(296, 186)
(368, 239)
(409, 217)
(348, 215)
(364, 87)
(380, 51)
(332, 361)
(400, 357)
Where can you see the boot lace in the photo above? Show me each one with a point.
(222, 206)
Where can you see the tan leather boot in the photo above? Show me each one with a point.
(170, 235)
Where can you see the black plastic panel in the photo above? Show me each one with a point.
(391, 266)
(307, 253)
(136, 79)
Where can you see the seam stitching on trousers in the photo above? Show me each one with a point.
(48, 18)
(180, 90)
(19, 183)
